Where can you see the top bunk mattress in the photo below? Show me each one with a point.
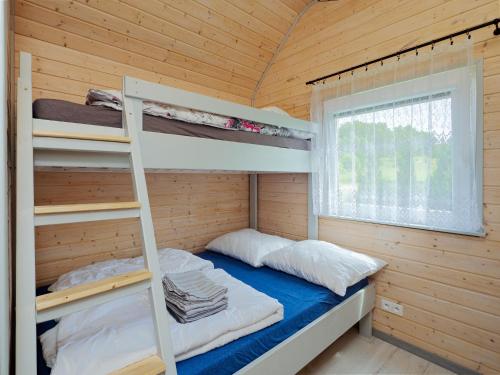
(61, 110)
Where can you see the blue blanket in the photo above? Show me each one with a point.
(303, 303)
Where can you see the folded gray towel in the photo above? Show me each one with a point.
(191, 296)
(192, 286)
(187, 306)
(195, 314)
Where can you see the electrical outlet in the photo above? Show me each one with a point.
(392, 307)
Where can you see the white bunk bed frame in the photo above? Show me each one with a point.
(174, 152)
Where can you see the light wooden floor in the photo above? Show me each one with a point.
(354, 354)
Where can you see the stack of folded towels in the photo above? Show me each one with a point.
(192, 295)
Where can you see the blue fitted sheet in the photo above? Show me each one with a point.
(303, 303)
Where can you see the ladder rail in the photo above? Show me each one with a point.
(25, 230)
(29, 308)
(132, 122)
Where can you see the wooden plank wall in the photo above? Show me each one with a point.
(282, 206)
(6, 279)
(219, 48)
(448, 284)
(188, 211)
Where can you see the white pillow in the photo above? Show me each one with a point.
(325, 264)
(248, 245)
(277, 110)
(171, 261)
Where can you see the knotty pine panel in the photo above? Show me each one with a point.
(448, 284)
(219, 48)
(189, 210)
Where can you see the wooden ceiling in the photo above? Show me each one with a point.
(218, 47)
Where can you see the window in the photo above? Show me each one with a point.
(407, 154)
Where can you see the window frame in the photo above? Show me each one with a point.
(419, 87)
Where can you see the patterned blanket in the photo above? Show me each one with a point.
(113, 99)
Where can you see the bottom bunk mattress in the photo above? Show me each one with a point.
(303, 303)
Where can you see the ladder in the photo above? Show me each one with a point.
(30, 309)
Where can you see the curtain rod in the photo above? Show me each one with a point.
(495, 22)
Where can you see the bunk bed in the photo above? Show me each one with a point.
(173, 151)
(194, 152)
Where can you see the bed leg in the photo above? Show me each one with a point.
(365, 325)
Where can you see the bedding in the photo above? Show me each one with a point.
(112, 335)
(60, 110)
(303, 303)
(171, 261)
(248, 245)
(113, 99)
(324, 263)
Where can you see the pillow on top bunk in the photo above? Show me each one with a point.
(248, 245)
(324, 263)
(277, 110)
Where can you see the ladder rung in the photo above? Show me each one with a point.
(83, 145)
(82, 136)
(57, 304)
(87, 207)
(90, 289)
(75, 213)
(149, 366)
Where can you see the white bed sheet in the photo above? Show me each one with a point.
(113, 335)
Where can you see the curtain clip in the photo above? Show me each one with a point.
(381, 62)
(366, 68)
(399, 57)
(497, 30)
(451, 41)
(339, 77)
(468, 35)
(416, 51)
(432, 46)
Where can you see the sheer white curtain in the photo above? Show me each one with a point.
(401, 142)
